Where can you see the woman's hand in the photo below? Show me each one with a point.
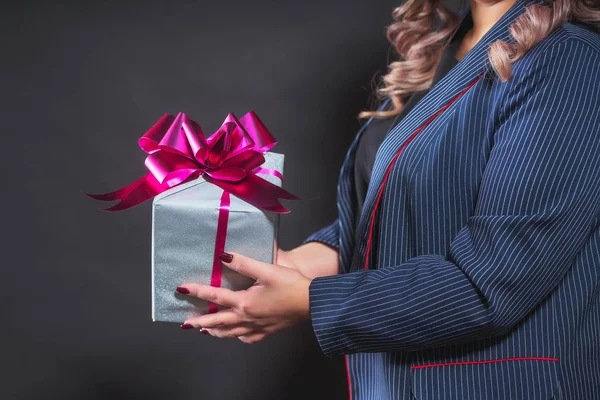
(278, 300)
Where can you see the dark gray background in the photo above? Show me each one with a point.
(81, 82)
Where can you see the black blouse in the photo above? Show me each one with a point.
(379, 128)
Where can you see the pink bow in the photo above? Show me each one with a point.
(230, 158)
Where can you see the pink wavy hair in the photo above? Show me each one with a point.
(420, 47)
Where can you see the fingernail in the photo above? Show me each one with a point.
(186, 326)
(182, 290)
(204, 331)
(226, 257)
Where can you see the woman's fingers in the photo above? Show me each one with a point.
(222, 296)
(225, 324)
(247, 266)
(278, 301)
(223, 318)
(233, 332)
(252, 338)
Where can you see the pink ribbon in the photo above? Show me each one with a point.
(230, 159)
(217, 269)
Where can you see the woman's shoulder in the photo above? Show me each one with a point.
(562, 68)
(579, 32)
(569, 50)
(570, 40)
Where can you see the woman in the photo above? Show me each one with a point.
(466, 265)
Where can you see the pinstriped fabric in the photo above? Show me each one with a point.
(484, 280)
(329, 235)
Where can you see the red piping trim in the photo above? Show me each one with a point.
(486, 361)
(387, 173)
(348, 377)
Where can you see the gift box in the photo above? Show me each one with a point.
(210, 195)
(185, 242)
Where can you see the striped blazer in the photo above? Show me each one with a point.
(474, 270)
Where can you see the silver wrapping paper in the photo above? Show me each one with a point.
(184, 224)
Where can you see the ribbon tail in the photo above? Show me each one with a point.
(118, 194)
(131, 195)
(258, 192)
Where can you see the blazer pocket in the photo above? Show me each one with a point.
(525, 378)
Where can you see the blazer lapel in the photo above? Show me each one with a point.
(459, 77)
(346, 200)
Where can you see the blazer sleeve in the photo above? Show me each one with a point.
(537, 205)
(330, 235)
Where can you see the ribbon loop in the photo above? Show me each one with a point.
(230, 158)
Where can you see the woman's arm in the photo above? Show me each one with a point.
(318, 255)
(312, 259)
(537, 206)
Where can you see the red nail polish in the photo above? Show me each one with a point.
(182, 290)
(186, 326)
(226, 257)
(204, 331)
